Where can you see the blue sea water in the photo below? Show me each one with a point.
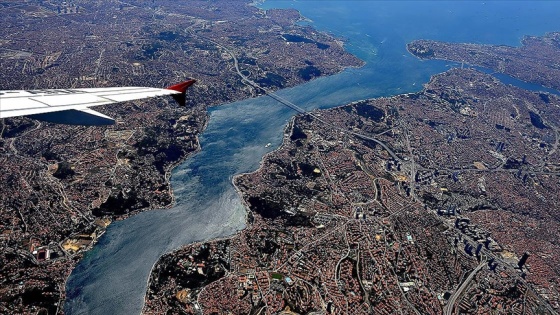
(112, 278)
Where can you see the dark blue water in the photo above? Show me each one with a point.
(507, 79)
(111, 279)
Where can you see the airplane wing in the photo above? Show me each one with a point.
(72, 106)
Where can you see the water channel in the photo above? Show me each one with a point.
(112, 277)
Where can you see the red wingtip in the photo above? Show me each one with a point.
(182, 88)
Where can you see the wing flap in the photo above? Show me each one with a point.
(29, 107)
(137, 95)
(69, 99)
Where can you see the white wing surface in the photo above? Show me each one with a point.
(67, 102)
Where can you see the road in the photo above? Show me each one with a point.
(451, 303)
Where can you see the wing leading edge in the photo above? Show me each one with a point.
(72, 106)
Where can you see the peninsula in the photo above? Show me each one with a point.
(537, 60)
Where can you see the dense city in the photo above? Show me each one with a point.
(536, 60)
(443, 201)
(64, 184)
(415, 203)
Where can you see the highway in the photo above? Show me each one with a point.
(448, 310)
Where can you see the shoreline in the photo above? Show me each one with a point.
(261, 164)
(247, 213)
(169, 170)
(240, 194)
